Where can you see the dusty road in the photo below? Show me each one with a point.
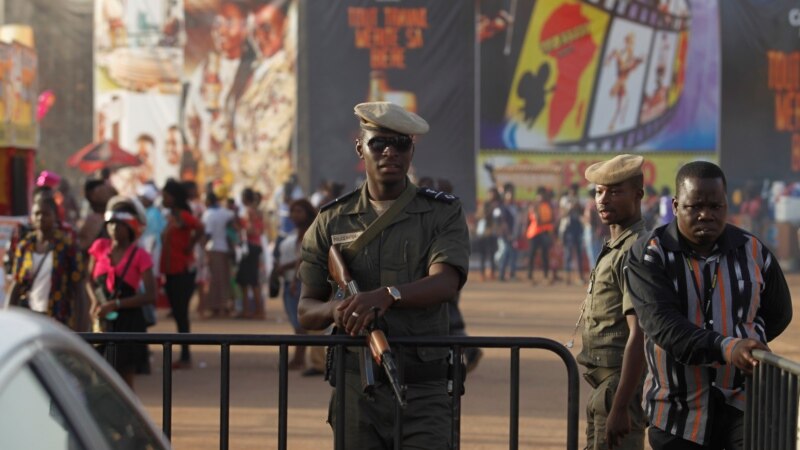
(490, 308)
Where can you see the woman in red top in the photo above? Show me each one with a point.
(247, 274)
(177, 259)
(118, 267)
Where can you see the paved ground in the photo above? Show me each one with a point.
(491, 309)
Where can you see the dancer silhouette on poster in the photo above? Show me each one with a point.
(626, 63)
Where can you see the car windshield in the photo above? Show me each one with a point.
(30, 418)
(119, 421)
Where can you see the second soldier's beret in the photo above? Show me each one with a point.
(382, 116)
(615, 170)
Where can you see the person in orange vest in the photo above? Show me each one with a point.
(540, 231)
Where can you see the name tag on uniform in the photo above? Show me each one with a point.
(345, 238)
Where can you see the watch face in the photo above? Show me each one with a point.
(394, 292)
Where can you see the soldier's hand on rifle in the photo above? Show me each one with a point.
(357, 310)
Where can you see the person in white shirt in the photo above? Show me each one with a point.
(302, 214)
(216, 220)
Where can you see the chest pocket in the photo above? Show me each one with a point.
(606, 299)
(402, 254)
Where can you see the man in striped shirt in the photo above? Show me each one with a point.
(706, 293)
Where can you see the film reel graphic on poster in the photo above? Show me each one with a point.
(597, 75)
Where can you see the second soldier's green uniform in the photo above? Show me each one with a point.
(605, 333)
(430, 230)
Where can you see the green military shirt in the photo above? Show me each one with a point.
(605, 329)
(430, 230)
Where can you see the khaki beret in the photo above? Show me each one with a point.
(615, 170)
(382, 116)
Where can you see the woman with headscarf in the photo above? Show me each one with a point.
(177, 259)
(118, 266)
(48, 268)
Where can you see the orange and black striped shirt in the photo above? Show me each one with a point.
(693, 310)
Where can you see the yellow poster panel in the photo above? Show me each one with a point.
(552, 85)
(6, 64)
(24, 95)
(527, 171)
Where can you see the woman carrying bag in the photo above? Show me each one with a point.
(48, 269)
(118, 266)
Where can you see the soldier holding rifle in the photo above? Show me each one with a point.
(407, 249)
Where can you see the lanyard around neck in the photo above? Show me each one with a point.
(706, 299)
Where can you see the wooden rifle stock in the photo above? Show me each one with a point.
(379, 349)
(383, 356)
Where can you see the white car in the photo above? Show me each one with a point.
(57, 392)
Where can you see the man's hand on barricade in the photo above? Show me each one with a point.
(742, 356)
(357, 311)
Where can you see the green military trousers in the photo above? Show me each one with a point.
(597, 409)
(370, 420)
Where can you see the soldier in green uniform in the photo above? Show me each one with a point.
(613, 349)
(407, 272)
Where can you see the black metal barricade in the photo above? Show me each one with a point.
(455, 343)
(771, 416)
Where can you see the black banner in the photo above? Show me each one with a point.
(760, 90)
(416, 53)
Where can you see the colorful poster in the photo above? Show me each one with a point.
(760, 91)
(138, 64)
(6, 97)
(552, 86)
(416, 53)
(589, 75)
(238, 111)
(529, 170)
(23, 97)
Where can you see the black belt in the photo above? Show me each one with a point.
(595, 376)
(410, 373)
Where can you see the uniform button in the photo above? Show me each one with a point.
(713, 383)
(711, 322)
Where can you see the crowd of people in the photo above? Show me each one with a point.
(103, 267)
(560, 236)
(677, 297)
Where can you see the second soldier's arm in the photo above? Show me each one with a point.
(618, 422)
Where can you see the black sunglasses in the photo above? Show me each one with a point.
(400, 143)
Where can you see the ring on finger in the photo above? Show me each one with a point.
(354, 314)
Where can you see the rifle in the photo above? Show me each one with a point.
(378, 345)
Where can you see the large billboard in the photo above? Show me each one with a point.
(760, 90)
(239, 107)
(198, 90)
(416, 53)
(137, 85)
(589, 75)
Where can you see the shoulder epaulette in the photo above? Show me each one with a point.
(338, 200)
(437, 195)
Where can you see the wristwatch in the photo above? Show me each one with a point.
(395, 293)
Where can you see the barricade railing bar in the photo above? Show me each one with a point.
(456, 343)
(771, 415)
